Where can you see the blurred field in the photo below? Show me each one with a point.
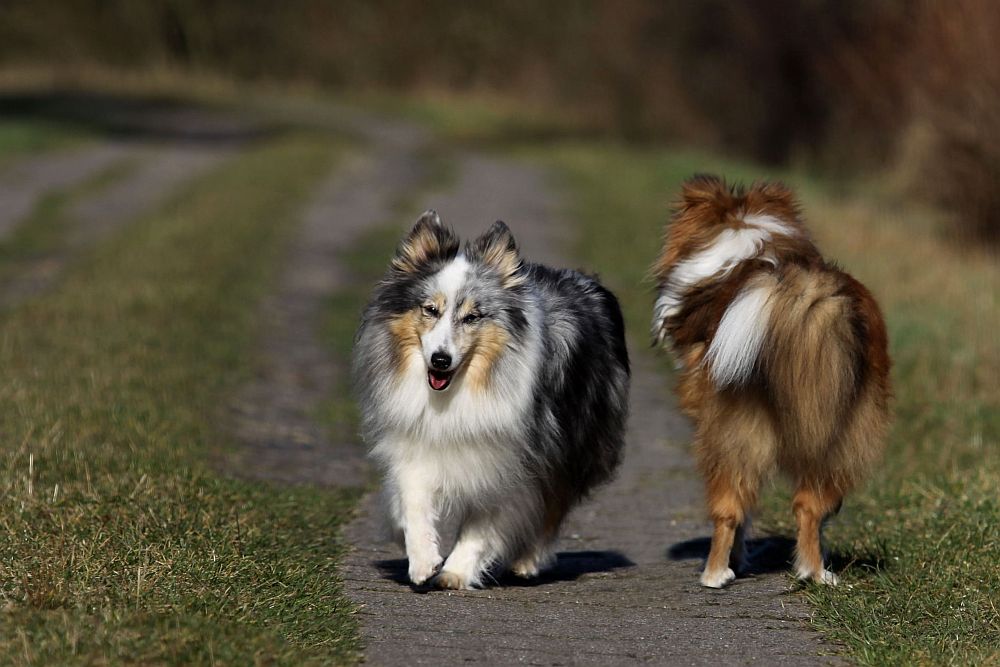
(846, 84)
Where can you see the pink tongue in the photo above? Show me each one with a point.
(438, 382)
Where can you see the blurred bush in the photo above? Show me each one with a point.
(956, 100)
(840, 81)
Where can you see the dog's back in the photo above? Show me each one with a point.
(584, 376)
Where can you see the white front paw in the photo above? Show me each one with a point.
(423, 568)
(717, 579)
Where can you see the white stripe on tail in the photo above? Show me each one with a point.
(727, 250)
(734, 349)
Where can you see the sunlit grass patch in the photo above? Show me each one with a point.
(117, 543)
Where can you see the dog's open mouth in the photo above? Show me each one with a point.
(439, 380)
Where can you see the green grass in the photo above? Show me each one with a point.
(923, 538)
(118, 543)
(27, 136)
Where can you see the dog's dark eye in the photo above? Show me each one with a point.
(431, 311)
(470, 318)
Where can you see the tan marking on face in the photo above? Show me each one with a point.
(438, 301)
(487, 344)
(407, 329)
(465, 308)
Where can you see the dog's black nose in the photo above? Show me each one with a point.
(441, 361)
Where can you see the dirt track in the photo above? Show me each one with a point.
(165, 150)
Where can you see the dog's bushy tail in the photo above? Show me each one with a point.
(816, 356)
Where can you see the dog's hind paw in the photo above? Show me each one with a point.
(717, 579)
(525, 569)
(451, 582)
(529, 567)
(827, 577)
(824, 577)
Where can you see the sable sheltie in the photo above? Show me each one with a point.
(494, 395)
(783, 359)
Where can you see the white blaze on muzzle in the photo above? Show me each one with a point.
(441, 338)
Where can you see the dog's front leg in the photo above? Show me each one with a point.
(419, 527)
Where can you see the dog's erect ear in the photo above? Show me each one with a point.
(497, 249)
(429, 241)
(705, 189)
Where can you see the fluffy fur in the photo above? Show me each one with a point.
(494, 395)
(784, 362)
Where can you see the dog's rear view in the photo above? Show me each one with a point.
(784, 358)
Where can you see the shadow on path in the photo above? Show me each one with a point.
(569, 566)
(132, 117)
(771, 554)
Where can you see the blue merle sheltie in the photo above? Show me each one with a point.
(494, 395)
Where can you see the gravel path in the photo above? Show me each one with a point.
(24, 182)
(159, 170)
(275, 414)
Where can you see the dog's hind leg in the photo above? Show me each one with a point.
(475, 551)
(486, 540)
(535, 560)
(812, 504)
(738, 556)
(728, 505)
(541, 554)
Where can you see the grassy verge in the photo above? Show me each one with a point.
(117, 543)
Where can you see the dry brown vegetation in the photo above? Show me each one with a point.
(846, 83)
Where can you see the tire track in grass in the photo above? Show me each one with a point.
(151, 172)
(24, 182)
(277, 415)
